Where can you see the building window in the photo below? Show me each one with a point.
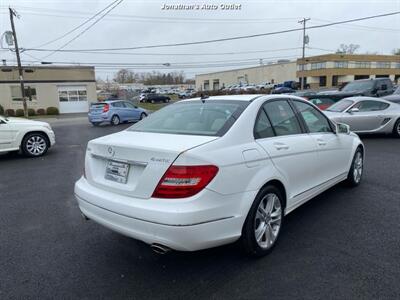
(397, 65)
(216, 84)
(362, 64)
(335, 80)
(72, 94)
(322, 80)
(341, 64)
(381, 76)
(302, 67)
(30, 93)
(319, 65)
(206, 85)
(383, 65)
(357, 77)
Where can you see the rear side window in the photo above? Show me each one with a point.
(283, 119)
(314, 120)
(371, 105)
(211, 118)
(117, 104)
(263, 128)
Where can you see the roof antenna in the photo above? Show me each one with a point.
(203, 97)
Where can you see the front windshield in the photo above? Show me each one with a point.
(358, 86)
(397, 91)
(341, 106)
(211, 118)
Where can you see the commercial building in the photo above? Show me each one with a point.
(322, 71)
(333, 70)
(275, 73)
(69, 88)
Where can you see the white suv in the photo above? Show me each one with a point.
(33, 138)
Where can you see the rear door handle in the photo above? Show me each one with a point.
(321, 142)
(281, 146)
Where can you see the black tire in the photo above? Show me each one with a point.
(354, 180)
(248, 239)
(167, 100)
(95, 124)
(152, 101)
(396, 129)
(115, 120)
(142, 116)
(35, 144)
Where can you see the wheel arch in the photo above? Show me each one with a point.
(280, 186)
(36, 131)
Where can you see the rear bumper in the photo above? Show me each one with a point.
(98, 118)
(186, 227)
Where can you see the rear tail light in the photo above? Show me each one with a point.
(106, 108)
(184, 181)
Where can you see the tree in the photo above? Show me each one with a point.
(347, 49)
(396, 51)
(124, 76)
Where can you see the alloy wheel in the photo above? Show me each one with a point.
(358, 167)
(115, 120)
(36, 145)
(267, 222)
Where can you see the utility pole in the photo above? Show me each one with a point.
(305, 41)
(21, 75)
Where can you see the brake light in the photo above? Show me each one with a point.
(106, 108)
(184, 181)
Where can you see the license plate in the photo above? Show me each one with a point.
(117, 171)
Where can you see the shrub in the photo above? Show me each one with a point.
(52, 111)
(10, 113)
(19, 112)
(31, 112)
(1, 110)
(41, 112)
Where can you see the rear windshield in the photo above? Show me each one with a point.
(97, 105)
(340, 106)
(211, 118)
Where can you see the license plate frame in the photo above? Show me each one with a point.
(117, 171)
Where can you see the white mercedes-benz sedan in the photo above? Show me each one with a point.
(206, 172)
(32, 138)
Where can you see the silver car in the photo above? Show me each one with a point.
(367, 115)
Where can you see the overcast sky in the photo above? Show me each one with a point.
(139, 23)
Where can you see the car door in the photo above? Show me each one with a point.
(292, 151)
(132, 112)
(334, 149)
(6, 135)
(119, 109)
(368, 116)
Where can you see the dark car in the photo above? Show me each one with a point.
(377, 87)
(283, 90)
(153, 98)
(395, 97)
(305, 94)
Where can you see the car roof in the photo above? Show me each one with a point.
(361, 98)
(246, 97)
(114, 100)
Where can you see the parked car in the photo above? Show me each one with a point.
(283, 90)
(115, 112)
(322, 102)
(32, 138)
(305, 94)
(206, 172)
(367, 115)
(395, 97)
(377, 87)
(266, 85)
(154, 98)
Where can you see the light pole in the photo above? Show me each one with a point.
(305, 41)
(21, 75)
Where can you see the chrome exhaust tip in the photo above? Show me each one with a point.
(160, 249)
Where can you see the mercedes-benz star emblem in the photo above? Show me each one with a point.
(111, 151)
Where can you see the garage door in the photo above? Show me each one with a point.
(73, 99)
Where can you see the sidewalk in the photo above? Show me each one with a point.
(63, 118)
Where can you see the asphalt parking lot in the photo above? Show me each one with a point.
(344, 244)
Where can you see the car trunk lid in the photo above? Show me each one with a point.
(141, 158)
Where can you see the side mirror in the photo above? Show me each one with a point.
(342, 128)
(353, 110)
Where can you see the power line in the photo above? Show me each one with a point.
(77, 27)
(224, 39)
(118, 2)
